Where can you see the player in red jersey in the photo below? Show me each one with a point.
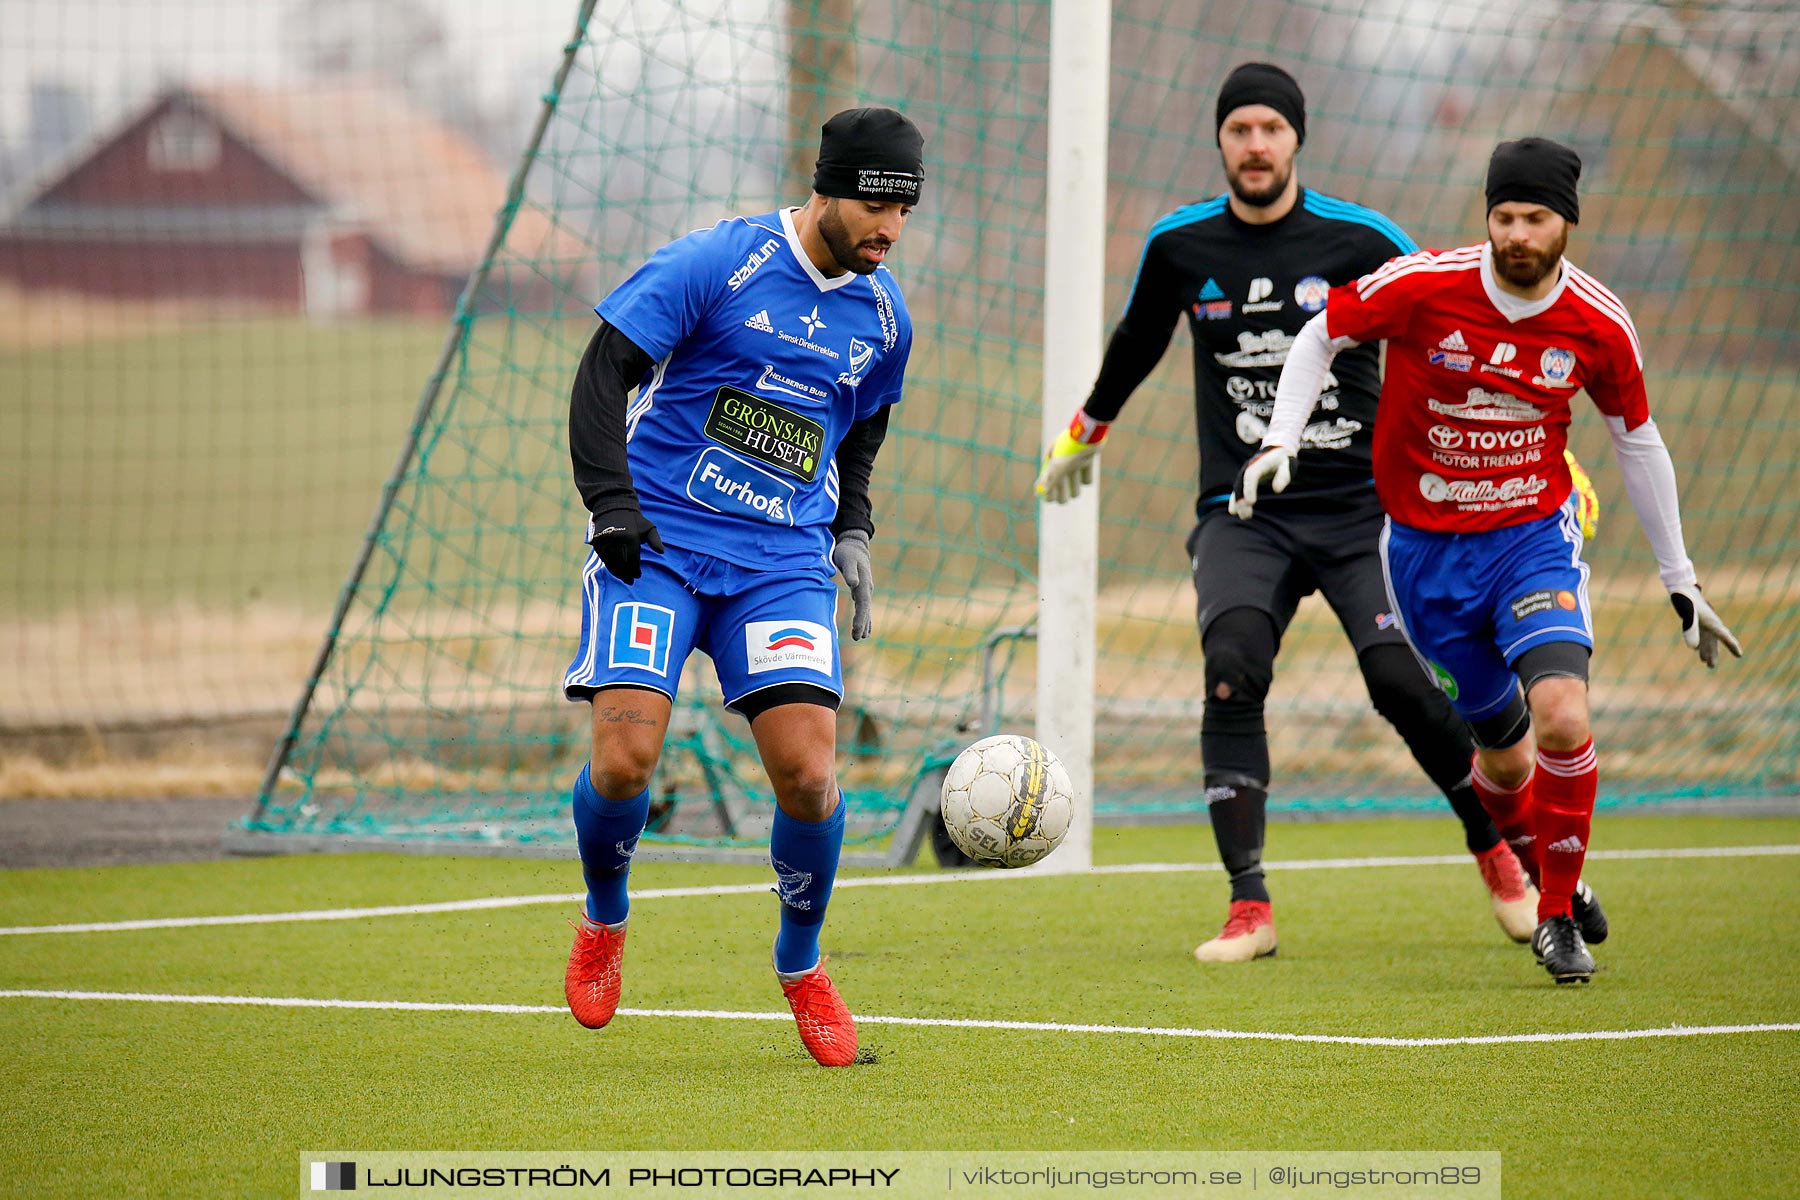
(1482, 547)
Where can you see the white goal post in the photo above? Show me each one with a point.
(1074, 314)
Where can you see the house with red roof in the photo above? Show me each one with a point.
(326, 199)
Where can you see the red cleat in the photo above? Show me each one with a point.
(591, 984)
(826, 1028)
(1514, 899)
(1249, 933)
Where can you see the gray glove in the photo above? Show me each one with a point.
(1701, 627)
(851, 557)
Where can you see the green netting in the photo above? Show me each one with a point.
(438, 708)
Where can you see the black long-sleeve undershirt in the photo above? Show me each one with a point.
(611, 367)
(855, 464)
(1129, 359)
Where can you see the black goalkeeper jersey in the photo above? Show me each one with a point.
(1246, 290)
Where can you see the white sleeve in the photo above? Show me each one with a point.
(1650, 482)
(1308, 362)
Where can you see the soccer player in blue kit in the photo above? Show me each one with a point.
(766, 353)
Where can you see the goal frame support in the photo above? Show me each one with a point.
(1074, 300)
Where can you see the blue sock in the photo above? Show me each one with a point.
(805, 857)
(607, 832)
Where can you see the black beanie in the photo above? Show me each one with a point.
(1262, 83)
(1536, 171)
(870, 154)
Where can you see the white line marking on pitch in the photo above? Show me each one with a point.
(702, 1014)
(744, 889)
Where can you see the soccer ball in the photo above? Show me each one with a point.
(1007, 801)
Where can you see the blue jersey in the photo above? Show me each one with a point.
(762, 365)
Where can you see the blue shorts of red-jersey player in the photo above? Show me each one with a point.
(1471, 603)
(761, 628)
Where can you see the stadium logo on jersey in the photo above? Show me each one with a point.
(1483, 405)
(787, 646)
(774, 381)
(1557, 364)
(640, 637)
(758, 257)
(761, 321)
(812, 322)
(725, 483)
(1311, 293)
(1266, 349)
(767, 432)
(1261, 288)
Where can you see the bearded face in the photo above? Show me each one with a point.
(860, 234)
(1257, 146)
(1528, 242)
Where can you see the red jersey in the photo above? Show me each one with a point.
(1474, 408)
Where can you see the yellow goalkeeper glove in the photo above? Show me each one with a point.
(1587, 500)
(1069, 463)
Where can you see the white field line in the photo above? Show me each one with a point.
(701, 1014)
(746, 889)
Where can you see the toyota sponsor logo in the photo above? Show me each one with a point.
(1447, 437)
(1506, 439)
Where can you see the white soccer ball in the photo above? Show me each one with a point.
(1007, 801)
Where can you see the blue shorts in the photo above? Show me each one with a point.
(760, 628)
(1471, 603)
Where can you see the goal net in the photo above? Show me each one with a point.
(433, 712)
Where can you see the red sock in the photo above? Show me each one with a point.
(1511, 811)
(1562, 812)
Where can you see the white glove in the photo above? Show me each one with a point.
(851, 557)
(1701, 627)
(1273, 465)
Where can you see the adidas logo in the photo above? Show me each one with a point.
(1211, 291)
(761, 321)
(1454, 342)
(1568, 845)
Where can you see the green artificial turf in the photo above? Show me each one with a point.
(101, 1097)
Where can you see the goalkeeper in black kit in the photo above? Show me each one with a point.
(1248, 269)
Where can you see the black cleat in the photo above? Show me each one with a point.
(1558, 945)
(1584, 906)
